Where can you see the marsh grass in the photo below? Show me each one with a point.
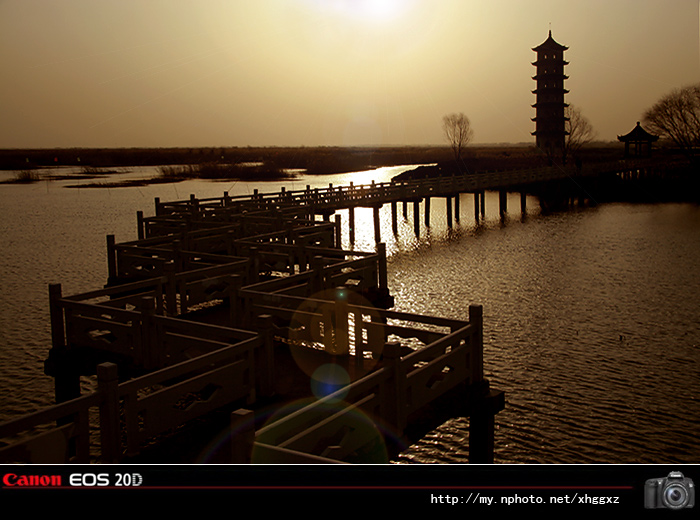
(177, 173)
(25, 177)
(242, 171)
(223, 171)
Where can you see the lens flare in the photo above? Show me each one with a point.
(329, 378)
(313, 431)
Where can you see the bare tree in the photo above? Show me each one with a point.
(676, 116)
(458, 132)
(579, 132)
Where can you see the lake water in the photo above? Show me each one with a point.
(592, 317)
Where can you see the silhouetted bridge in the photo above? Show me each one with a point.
(326, 201)
(245, 315)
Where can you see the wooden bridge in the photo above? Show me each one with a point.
(245, 315)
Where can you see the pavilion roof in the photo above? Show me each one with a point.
(637, 134)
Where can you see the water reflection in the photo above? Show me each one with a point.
(590, 315)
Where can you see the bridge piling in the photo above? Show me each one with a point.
(448, 207)
(377, 227)
(416, 217)
(502, 202)
(351, 223)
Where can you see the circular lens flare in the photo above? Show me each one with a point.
(328, 379)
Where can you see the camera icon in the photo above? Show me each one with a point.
(672, 492)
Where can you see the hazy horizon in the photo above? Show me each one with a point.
(276, 73)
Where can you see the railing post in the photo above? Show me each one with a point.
(317, 284)
(254, 270)
(382, 279)
(150, 345)
(139, 225)
(485, 403)
(476, 318)
(58, 331)
(242, 436)
(235, 283)
(194, 205)
(351, 223)
(111, 257)
(170, 288)
(338, 233)
(265, 361)
(108, 385)
(66, 379)
(340, 330)
(395, 387)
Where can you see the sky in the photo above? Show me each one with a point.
(214, 73)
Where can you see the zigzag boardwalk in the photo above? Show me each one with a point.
(248, 309)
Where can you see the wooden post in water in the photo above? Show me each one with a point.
(523, 202)
(448, 207)
(382, 278)
(405, 210)
(485, 403)
(107, 385)
(338, 233)
(139, 225)
(427, 212)
(377, 230)
(111, 257)
(476, 206)
(457, 207)
(476, 318)
(66, 378)
(394, 223)
(351, 223)
(416, 217)
(502, 202)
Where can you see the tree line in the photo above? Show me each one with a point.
(675, 117)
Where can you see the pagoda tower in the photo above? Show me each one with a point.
(550, 120)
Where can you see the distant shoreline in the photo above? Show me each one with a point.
(277, 164)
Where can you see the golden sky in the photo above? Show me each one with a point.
(157, 73)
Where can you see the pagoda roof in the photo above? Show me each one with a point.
(549, 44)
(637, 134)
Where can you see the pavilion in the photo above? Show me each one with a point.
(639, 140)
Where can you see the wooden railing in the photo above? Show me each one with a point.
(149, 405)
(378, 193)
(378, 406)
(284, 277)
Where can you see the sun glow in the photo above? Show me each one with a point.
(365, 10)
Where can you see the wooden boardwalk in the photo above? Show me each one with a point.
(249, 307)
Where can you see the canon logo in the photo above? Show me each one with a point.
(14, 480)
